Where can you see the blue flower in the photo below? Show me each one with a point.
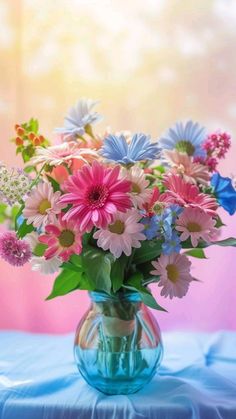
(164, 221)
(175, 211)
(224, 192)
(172, 245)
(79, 117)
(150, 227)
(117, 149)
(186, 138)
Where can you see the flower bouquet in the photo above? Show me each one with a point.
(113, 214)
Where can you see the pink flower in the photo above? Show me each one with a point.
(140, 193)
(96, 194)
(62, 153)
(191, 171)
(63, 239)
(196, 224)
(123, 234)
(42, 205)
(174, 272)
(14, 251)
(188, 195)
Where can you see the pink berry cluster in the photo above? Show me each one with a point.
(216, 145)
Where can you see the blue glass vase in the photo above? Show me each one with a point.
(118, 345)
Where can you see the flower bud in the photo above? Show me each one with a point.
(19, 141)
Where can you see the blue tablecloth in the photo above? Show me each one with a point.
(39, 380)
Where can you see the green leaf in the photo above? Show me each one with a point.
(18, 215)
(187, 244)
(97, 266)
(160, 169)
(118, 272)
(66, 282)
(196, 253)
(54, 183)
(29, 169)
(230, 241)
(33, 125)
(135, 283)
(149, 250)
(219, 223)
(40, 249)
(72, 267)
(24, 229)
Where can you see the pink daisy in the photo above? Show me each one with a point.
(183, 165)
(96, 194)
(185, 194)
(42, 205)
(63, 239)
(174, 272)
(123, 234)
(62, 153)
(14, 251)
(196, 224)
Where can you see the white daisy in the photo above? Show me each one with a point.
(140, 193)
(44, 266)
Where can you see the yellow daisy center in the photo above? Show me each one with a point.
(118, 227)
(172, 272)
(43, 206)
(135, 188)
(185, 146)
(66, 238)
(194, 227)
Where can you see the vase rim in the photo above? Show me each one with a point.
(100, 296)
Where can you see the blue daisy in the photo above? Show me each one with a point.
(187, 138)
(79, 117)
(140, 148)
(151, 227)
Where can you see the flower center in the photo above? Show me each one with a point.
(97, 196)
(66, 238)
(118, 227)
(135, 188)
(43, 206)
(185, 146)
(193, 227)
(172, 273)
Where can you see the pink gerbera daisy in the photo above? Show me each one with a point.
(63, 239)
(96, 194)
(42, 205)
(14, 251)
(174, 272)
(123, 234)
(184, 165)
(196, 224)
(185, 194)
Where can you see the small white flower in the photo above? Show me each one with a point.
(140, 193)
(14, 185)
(44, 266)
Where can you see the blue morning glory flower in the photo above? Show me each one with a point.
(187, 138)
(78, 117)
(225, 192)
(117, 149)
(150, 227)
(171, 245)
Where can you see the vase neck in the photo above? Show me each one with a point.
(99, 297)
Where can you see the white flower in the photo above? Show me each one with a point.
(14, 185)
(140, 193)
(44, 266)
(62, 153)
(78, 117)
(123, 234)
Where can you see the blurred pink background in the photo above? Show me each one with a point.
(150, 63)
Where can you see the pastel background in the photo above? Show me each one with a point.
(150, 63)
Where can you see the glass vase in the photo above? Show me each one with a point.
(118, 345)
